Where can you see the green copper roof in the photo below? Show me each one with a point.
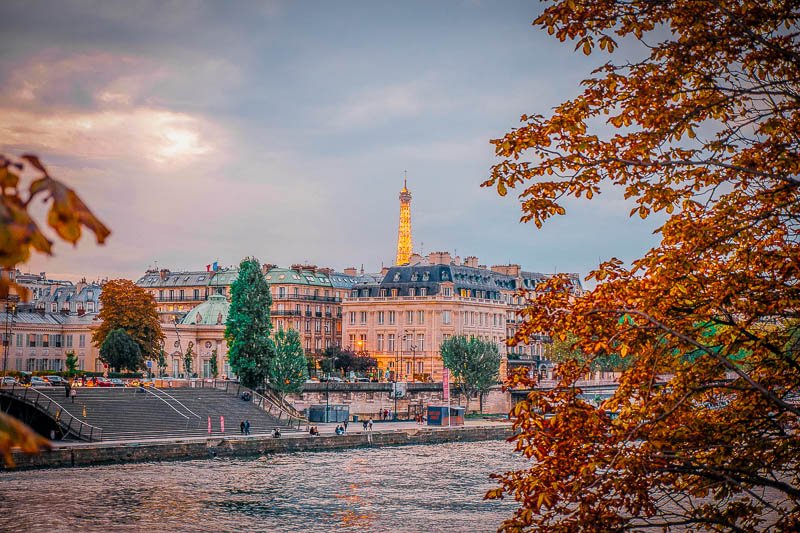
(212, 312)
(298, 277)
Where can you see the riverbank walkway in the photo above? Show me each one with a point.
(325, 430)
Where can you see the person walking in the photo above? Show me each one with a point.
(72, 393)
(241, 427)
(364, 424)
(369, 425)
(345, 426)
(246, 427)
(67, 388)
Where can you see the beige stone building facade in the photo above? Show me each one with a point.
(402, 317)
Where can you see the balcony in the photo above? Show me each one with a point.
(285, 312)
(173, 299)
(307, 297)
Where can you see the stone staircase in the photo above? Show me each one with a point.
(126, 413)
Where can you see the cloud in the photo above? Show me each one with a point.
(98, 106)
(380, 105)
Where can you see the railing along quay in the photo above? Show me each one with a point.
(68, 422)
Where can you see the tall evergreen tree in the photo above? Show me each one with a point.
(213, 363)
(248, 328)
(287, 371)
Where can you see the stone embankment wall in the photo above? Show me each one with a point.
(368, 399)
(186, 449)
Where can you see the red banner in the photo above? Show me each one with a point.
(446, 385)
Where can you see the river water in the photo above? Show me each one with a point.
(408, 488)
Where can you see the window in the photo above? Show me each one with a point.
(54, 307)
(57, 341)
(363, 317)
(91, 307)
(31, 340)
(446, 318)
(180, 295)
(317, 326)
(280, 324)
(420, 317)
(19, 341)
(196, 294)
(394, 293)
(352, 340)
(81, 341)
(391, 317)
(448, 291)
(380, 342)
(423, 291)
(69, 340)
(384, 293)
(317, 344)
(352, 317)
(282, 292)
(380, 317)
(409, 317)
(362, 342)
(390, 348)
(327, 327)
(421, 342)
(308, 325)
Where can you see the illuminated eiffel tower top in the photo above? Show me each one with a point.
(404, 229)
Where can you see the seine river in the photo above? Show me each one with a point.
(409, 488)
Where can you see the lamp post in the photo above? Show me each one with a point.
(328, 389)
(413, 347)
(10, 299)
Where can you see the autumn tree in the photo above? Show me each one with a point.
(473, 363)
(131, 308)
(119, 351)
(19, 233)
(700, 127)
(248, 327)
(287, 369)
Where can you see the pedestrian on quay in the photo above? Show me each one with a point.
(246, 427)
(72, 393)
(241, 427)
(345, 426)
(364, 423)
(67, 388)
(369, 424)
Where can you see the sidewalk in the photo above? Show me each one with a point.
(324, 429)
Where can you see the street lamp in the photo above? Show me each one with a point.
(12, 299)
(413, 347)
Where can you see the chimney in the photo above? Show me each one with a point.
(266, 267)
(471, 261)
(164, 273)
(457, 261)
(351, 271)
(439, 258)
(508, 270)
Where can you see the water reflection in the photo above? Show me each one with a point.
(411, 488)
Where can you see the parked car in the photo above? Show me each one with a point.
(104, 382)
(56, 380)
(37, 381)
(8, 381)
(116, 382)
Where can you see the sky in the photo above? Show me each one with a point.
(203, 131)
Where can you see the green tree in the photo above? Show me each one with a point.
(213, 363)
(72, 363)
(161, 362)
(188, 357)
(473, 363)
(330, 358)
(287, 369)
(248, 328)
(120, 351)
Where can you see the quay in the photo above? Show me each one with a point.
(78, 454)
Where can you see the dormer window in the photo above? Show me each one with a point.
(426, 276)
(396, 276)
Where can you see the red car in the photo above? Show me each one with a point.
(104, 382)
